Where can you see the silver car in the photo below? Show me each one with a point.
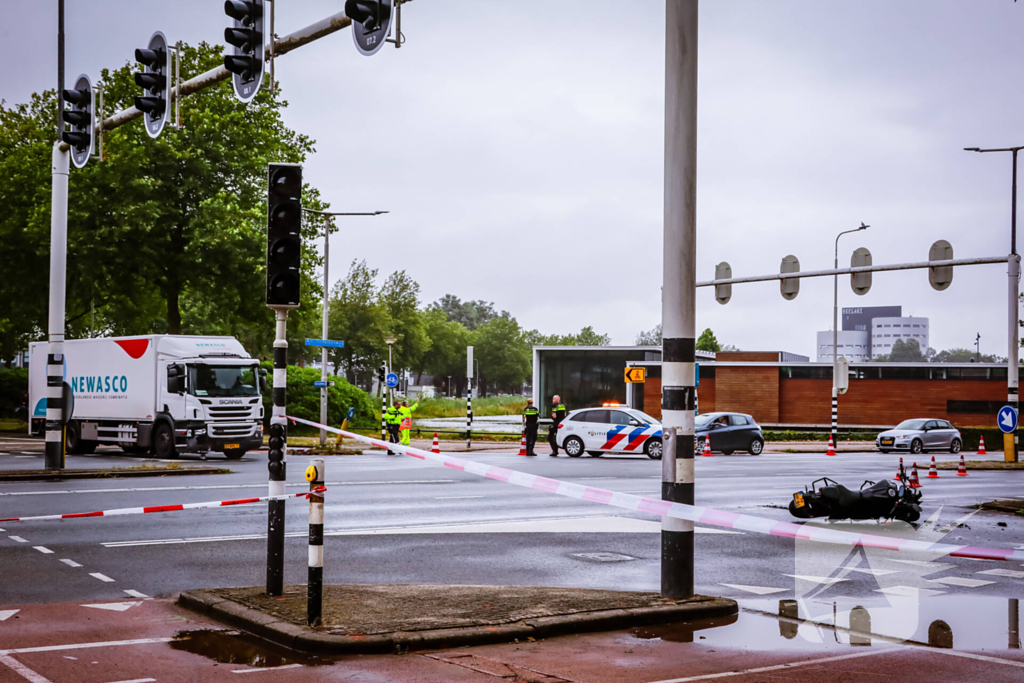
(917, 436)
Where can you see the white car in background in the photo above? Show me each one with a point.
(609, 429)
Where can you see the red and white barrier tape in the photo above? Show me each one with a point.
(693, 513)
(165, 508)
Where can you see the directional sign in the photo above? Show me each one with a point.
(1007, 419)
(636, 375)
(391, 380)
(325, 342)
(696, 374)
(318, 383)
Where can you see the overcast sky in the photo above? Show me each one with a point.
(519, 148)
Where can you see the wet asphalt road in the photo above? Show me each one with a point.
(395, 519)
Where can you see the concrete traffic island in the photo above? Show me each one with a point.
(373, 619)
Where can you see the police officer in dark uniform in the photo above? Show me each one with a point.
(557, 415)
(530, 417)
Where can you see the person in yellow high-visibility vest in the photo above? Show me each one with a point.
(405, 427)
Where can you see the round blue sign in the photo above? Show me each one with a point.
(391, 380)
(1007, 419)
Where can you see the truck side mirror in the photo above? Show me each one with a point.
(175, 379)
(263, 380)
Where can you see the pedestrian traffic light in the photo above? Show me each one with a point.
(371, 21)
(284, 243)
(790, 286)
(155, 81)
(382, 372)
(860, 282)
(79, 121)
(275, 454)
(247, 37)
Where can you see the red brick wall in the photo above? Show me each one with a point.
(751, 390)
(747, 356)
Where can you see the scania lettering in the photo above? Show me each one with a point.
(165, 394)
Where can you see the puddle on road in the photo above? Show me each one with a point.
(235, 647)
(961, 622)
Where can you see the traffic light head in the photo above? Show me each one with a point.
(371, 21)
(284, 241)
(246, 38)
(154, 79)
(79, 120)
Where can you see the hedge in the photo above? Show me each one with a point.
(304, 398)
(13, 383)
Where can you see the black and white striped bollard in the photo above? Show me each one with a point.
(469, 414)
(315, 588)
(835, 416)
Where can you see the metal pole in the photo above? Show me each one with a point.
(315, 578)
(58, 270)
(469, 397)
(323, 352)
(60, 70)
(1013, 346)
(275, 508)
(835, 345)
(678, 308)
(1013, 628)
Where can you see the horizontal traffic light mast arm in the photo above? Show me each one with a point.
(860, 269)
(284, 45)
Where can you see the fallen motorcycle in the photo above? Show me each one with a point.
(881, 500)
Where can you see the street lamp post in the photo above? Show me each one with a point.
(391, 392)
(1010, 443)
(327, 215)
(835, 335)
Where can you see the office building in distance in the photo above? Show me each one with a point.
(871, 331)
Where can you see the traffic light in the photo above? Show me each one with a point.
(381, 372)
(79, 121)
(284, 243)
(275, 455)
(247, 37)
(371, 21)
(155, 81)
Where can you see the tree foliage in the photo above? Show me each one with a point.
(503, 352)
(471, 314)
(651, 337)
(707, 342)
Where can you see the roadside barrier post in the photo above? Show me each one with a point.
(315, 588)
(678, 307)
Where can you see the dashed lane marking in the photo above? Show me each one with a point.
(101, 577)
(82, 646)
(71, 563)
(268, 668)
(909, 591)
(43, 549)
(114, 606)
(135, 489)
(136, 594)
(137, 680)
(6, 614)
(1004, 572)
(17, 539)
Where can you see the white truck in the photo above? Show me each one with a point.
(167, 394)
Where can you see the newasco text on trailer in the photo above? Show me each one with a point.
(167, 394)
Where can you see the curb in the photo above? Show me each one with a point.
(305, 639)
(58, 475)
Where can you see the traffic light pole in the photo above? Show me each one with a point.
(275, 508)
(58, 273)
(679, 293)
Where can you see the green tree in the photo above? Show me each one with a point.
(707, 342)
(504, 354)
(358, 318)
(906, 351)
(447, 353)
(651, 337)
(586, 337)
(471, 314)
(400, 297)
(960, 355)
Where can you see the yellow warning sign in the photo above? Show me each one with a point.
(636, 375)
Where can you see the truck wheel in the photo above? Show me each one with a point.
(163, 441)
(73, 437)
(234, 454)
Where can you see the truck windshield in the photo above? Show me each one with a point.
(222, 380)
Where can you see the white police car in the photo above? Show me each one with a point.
(609, 429)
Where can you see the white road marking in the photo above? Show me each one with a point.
(71, 563)
(960, 581)
(114, 606)
(22, 670)
(909, 591)
(6, 614)
(455, 497)
(922, 563)
(1004, 572)
(874, 572)
(778, 667)
(982, 658)
(135, 489)
(17, 539)
(817, 579)
(43, 549)
(136, 594)
(101, 577)
(757, 590)
(138, 680)
(269, 668)
(82, 646)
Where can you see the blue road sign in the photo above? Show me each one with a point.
(321, 384)
(696, 374)
(351, 412)
(1007, 419)
(326, 342)
(391, 380)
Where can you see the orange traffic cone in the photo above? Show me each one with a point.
(707, 447)
(899, 471)
(981, 446)
(522, 445)
(436, 447)
(831, 446)
(915, 483)
(962, 470)
(932, 472)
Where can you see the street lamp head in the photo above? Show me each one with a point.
(389, 340)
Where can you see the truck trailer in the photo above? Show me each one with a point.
(165, 394)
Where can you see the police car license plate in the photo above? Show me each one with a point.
(798, 499)
(232, 445)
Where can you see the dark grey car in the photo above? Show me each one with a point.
(919, 435)
(729, 432)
